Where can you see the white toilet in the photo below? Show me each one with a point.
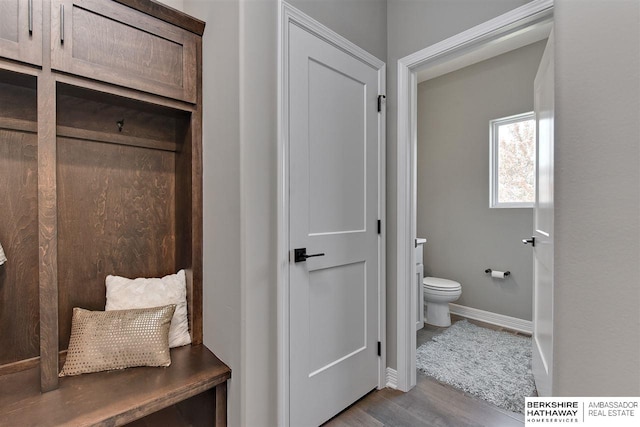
(438, 293)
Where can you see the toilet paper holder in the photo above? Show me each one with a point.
(489, 271)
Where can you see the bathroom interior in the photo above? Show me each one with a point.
(471, 261)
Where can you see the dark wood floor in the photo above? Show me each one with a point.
(429, 404)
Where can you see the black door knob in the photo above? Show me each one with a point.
(300, 255)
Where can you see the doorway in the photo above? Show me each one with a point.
(331, 201)
(520, 27)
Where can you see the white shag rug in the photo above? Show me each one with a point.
(494, 366)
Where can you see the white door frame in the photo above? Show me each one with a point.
(499, 35)
(287, 15)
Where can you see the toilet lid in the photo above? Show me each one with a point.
(438, 283)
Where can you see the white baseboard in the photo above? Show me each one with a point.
(392, 378)
(508, 322)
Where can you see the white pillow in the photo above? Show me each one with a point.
(123, 294)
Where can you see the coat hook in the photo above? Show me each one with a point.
(120, 124)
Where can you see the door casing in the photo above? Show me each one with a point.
(289, 15)
(506, 32)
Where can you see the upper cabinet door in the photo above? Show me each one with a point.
(116, 44)
(21, 30)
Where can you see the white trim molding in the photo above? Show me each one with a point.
(392, 378)
(462, 49)
(513, 323)
(288, 15)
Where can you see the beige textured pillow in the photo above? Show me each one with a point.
(123, 294)
(106, 340)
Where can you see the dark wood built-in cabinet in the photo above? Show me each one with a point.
(100, 173)
(110, 42)
(21, 30)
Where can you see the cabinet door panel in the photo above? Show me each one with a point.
(21, 30)
(116, 44)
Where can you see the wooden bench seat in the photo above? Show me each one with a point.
(117, 397)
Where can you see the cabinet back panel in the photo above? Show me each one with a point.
(19, 309)
(116, 215)
(17, 102)
(103, 117)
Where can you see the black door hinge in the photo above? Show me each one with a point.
(380, 98)
(379, 348)
(379, 226)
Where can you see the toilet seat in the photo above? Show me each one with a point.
(441, 285)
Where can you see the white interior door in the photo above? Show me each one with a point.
(543, 225)
(333, 211)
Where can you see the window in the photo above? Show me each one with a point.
(513, 160)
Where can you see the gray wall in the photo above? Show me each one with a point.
(363, 22)
(176, 4)
(464, 235)
(221, 192)
(413, 25)
(597, 193)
